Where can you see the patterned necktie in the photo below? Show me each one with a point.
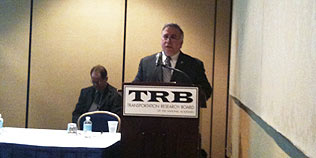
(98, 98)
(166, 71)
(95, 106)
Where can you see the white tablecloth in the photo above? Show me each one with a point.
(57, 138)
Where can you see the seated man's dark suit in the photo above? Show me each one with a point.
(112, 101)
(149, 71)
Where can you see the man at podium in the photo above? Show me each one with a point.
(172, 65)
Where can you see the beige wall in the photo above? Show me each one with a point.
(221, 64)
(69, 37)
(14, 40)
(273, 67)
(249, 139)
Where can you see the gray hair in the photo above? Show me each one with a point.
(176, 26)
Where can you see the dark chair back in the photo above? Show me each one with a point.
(99, 120)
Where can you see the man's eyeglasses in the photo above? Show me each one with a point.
(170, 37)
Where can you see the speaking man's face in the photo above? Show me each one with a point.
(171, 41)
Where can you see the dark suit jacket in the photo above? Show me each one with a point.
(112, 101)
(194, 68)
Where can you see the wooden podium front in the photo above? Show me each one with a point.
(146, 134)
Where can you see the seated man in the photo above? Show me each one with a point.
(101, 96)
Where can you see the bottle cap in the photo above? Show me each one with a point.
(87, 117)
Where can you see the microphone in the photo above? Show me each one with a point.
(160, 63)
(177, 70)
(159, 59)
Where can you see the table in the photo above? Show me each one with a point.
(47, 143)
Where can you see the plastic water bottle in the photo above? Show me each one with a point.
(1, 121)
(87, 127)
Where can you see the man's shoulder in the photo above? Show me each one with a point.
(112, 90)
(150, 57)
(189, 58)
(88, 89)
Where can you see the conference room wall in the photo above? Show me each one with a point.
(14, 35)
(221, 69)
(69, 38)
(145, 20)
(273, 72)
(247, 138)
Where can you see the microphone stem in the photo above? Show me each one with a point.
(174, 69)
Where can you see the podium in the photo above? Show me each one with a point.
(160, 120)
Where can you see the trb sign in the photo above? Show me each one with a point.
(160, 101)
